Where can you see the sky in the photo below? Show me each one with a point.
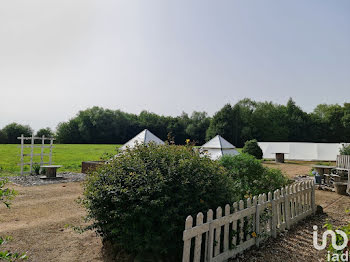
(61, 56)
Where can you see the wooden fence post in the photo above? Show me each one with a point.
(274, 214)
(255, 204)
(308, 194)
(226, 229)
(287, 206)
(270, 199)
(257, 222)
(241, 222)
(313, 202)
(282, 210)
(198, 240)
(278, 210)
(209, 239)
(234, 227)
(187, 243)
(217, 233)
(250, 221)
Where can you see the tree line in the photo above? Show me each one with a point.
(245, 120)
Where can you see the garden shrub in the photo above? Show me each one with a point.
(345, 150)
(140, 200)
(250, 177)
(252, 147)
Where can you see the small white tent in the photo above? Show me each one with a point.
(217, 147)
(142, 138)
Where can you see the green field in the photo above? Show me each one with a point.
(69, 156)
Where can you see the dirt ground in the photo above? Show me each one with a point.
(291, 169)
(37, 222)
(39, 214)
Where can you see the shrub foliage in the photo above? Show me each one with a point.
(345, 150)
(251, 147)
(250, 177)
(141, 199)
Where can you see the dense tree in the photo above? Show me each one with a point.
(155, 123)
(246, 109)
(197, 127)
(97, 125)
(298, 123)
(270, 121)
(331, 118)
(68, 132)
(47, 132)
(3, 137)
(14, 130)
(176, 128)
(226, 123)
(246, 120)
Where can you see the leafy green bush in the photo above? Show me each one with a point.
(141, 199)
(250, 177)
(345, 150)
(251, 147)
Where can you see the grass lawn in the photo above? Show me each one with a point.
(70, 156)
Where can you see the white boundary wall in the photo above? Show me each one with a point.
(301, 150)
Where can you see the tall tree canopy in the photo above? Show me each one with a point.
(246, 120)
(14, 130)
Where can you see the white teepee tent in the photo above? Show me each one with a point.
(217, 147)
(144, 137)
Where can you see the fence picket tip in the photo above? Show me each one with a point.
(269, 196)
(234, 206)
(200, 214)
(189, 222)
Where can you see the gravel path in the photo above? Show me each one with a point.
(29, 180)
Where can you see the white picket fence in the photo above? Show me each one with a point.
(246, 223)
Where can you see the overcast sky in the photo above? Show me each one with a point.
(61, 56)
